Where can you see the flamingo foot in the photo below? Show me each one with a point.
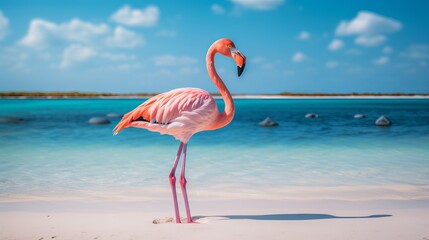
(172, 220)
(185, 220)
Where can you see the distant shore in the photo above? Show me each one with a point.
(284, 95)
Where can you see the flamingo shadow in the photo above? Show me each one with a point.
(289, 217)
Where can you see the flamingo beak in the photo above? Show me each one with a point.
(239, 59)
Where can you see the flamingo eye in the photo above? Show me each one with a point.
(229, 46)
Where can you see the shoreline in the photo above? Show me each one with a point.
(237, 192)
(238, 96)
(327, 97)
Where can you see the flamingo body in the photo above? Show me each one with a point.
(180, 112)
(185, 111)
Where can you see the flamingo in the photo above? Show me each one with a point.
(183, 112)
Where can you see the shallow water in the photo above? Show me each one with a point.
(55, 151)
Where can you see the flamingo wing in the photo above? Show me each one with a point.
(180, 110)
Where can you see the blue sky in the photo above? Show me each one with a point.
(154, 46)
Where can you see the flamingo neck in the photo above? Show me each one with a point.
(225, 117)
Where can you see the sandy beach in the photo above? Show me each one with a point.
(218, 219)
(332, 177)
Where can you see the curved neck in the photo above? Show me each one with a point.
(225, 117)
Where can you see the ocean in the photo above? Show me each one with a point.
(55, 152)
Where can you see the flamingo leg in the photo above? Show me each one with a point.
(183, 185)
(172, 179)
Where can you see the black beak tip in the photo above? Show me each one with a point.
(240, 70)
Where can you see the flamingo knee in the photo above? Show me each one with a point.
(172, 179)
(183, 181)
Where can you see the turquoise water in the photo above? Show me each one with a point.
(55, 151)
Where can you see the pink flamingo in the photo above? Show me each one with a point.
(183, 112)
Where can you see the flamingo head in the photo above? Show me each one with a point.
(226, 47)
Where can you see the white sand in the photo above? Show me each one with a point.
(220, 219)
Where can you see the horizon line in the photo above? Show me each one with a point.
(41, 94)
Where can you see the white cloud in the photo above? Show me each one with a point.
(39, 32)
(387, 50)
(381, 61)
(368, 23)
(147, 17)
(417, 51)
(259, 4)
(298, 57)
(171, 60)
(75, 53)
(77, 30)
(369, 28)
(4, 25)
(335, 45)
(370, 41)
(217, 9)
(42, 33)
(304, 35)
(69, 43)
(331, 64)
(124, 38)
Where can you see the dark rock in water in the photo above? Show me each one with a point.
(114, 115)
(359, 116)
(382, 121)
(267, 122)
(311, 115)
(11, 120)
(98, 120)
